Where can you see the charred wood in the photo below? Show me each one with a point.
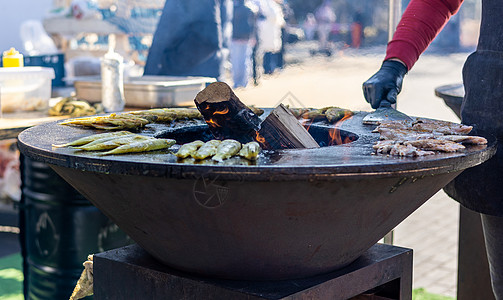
(225, 114)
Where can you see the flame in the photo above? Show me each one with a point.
(349, 139)
(335, 137)
(259, 138)
(221, 112)
(335, 133)
(307, 124)
(212, 123)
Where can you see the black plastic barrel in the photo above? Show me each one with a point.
(59, 228)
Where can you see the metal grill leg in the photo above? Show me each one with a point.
(388, 238)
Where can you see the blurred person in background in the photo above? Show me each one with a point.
(288, 16)
(309, 26)
(479, 188)
(269, 33)
(192, 39)
(243, 39)
(256, 55)
(325, 18)
(357, 29)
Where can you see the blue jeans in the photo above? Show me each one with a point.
(241, 52)
(271, 62)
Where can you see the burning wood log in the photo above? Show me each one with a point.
(225, 114)
(229, 118)
(281, 130)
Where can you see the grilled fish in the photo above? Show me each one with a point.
(398, 148)
(226, 149)
(404, 135)
(444, 127)
(250, 150)
(113, 143)
(422, 125)
(74, 108)
(436, 145)
(207, 150)
(92, 138)
(405, 149)
(165, 115)
(423, 137)
(142, 146)
(111, 122)
(465, 139)
(103, 140)
(189, 149)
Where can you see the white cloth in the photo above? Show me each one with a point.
(269, 28)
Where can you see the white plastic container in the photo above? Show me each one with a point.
(25, 88)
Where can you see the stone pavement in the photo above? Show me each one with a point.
(432, 230)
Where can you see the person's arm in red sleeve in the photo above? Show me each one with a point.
(419, 25)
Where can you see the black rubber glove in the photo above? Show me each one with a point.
(386, 84)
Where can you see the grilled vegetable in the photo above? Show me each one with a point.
(189, 149)
(315, 114)
(207, 150)
(227, 149)
(298, 112)
(256, 110)
(142, 146)
(91, 138)
(250, 150)
(335, 114)
(330, 113)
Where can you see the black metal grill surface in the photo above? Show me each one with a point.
(351, 159)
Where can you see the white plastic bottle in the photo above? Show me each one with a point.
(112, 79)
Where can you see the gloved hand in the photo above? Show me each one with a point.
(386, 84)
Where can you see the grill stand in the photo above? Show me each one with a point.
(383, 272)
